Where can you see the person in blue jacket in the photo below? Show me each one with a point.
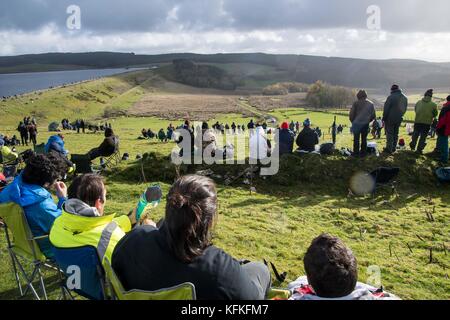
(55, 145)
(30, 190)
(286, 139)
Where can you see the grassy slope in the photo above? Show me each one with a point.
(308, 197)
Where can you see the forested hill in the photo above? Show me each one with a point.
(299, 68)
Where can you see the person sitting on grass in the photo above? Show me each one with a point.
(332, 273)
(107, 147)
(162, 136)
(144, 133)
(30, 190)
(307, 139)
(83, 221)
(181, 250)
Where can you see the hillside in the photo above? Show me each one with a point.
(258, 69)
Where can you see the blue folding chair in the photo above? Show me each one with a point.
(83, 272)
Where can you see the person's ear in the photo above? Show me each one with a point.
(99, 205)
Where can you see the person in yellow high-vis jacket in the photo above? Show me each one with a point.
(83, 223)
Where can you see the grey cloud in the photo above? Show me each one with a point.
(107, 16)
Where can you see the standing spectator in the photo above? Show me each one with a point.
(162, 135)
(78, 125)
(443, 131)
(433, 128)
(233, 127)
(22, 128)
(297, 127)
(426, 112)
(361, 115)
(82, 125)
(394, 109)
(32, 130)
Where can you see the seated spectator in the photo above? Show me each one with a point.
(7, 154)
(144, 133)
(55, 146)
(107, 147)
(83, 221)
(30, 190)
(162, 135)
(332, 273)
(259, 145)
(181, 250)
(286, 139)
(307, 139)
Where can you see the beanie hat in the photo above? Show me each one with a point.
(284, 125)
(362, 94)
(429, 93)
(395, 87)
(307, 123)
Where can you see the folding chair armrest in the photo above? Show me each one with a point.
(40, 237)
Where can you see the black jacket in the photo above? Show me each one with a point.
(395, 107)
(307, 140)
(143, 260)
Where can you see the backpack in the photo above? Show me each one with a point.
(385, 175)
(327, 148)
(443, 174)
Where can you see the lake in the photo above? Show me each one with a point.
(19, 83)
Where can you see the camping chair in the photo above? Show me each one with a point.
(185, 291)
(25, 246)
(39, 148)
(114, 159)
(83, 164)
(82, 272)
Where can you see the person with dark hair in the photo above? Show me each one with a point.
(162, 135)
(332, 273)
(361, 115)
(307, 139)
(30, 190)
(443, 131)
(83, 221)
(181, 250)
(144, 133)
(32, 130)
(426, 112)
(394, 109)
(107, 147)
(22, 128)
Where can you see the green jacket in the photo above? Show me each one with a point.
(426, 111)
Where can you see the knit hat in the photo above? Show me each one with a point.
(306, 123)
(362, 94)
(395, 87)
(429, 93)
(285, 125)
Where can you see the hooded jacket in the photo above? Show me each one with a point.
(301, 290)
(81, 225)
(258, 145)
(443, 127)
(395, 107)
(39, 208)
(55, 143)
(362, 112)
(307, 140)
(7, 154)
(286, 141)
(426, 111)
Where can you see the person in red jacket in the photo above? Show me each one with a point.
(443, 131)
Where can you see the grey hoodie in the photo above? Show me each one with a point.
(79, 208)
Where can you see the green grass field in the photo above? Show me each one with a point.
(308, 196)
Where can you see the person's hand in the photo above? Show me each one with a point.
(132, 217)
(149, 222)
(61, 189)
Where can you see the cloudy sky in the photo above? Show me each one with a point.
(404, 29)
